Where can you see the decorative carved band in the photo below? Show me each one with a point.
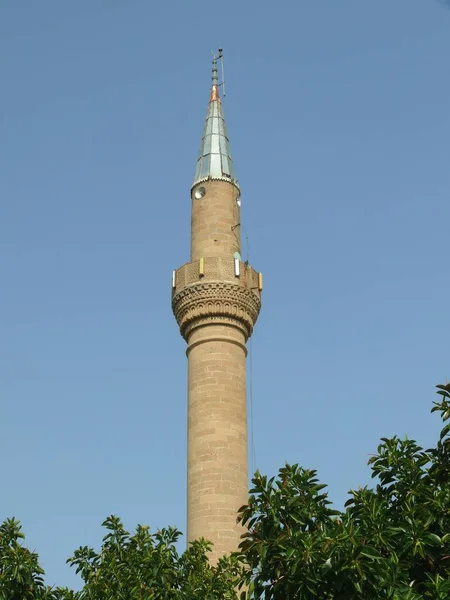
(211, 302)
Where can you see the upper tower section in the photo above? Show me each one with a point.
(215, 225)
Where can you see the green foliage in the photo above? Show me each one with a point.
(21, 577)
(391, 542)
(146, 566)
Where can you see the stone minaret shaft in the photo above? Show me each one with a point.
(216, 299)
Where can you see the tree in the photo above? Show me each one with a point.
(391, 542)
(146, 566)
(21, 576)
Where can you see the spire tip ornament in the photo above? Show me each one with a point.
(214, 159)
(215, 96)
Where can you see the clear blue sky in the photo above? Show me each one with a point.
(339, 121)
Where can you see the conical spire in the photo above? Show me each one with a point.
(214, 159)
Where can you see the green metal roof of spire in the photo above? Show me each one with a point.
(214, 159)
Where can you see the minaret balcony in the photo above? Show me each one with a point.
(214, 289)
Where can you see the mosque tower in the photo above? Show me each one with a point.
(216, 298)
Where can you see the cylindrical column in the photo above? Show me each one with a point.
(217, 435)
(215, 222)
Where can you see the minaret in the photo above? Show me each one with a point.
(216, 299)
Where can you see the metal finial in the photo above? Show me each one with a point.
(215, 78)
